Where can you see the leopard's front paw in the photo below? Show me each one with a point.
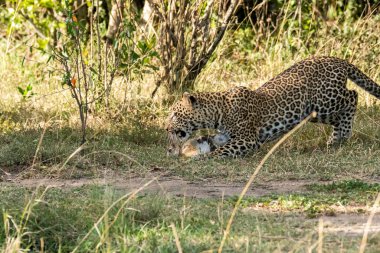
(200, 157)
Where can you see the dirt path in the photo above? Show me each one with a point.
(348, 222)
(171, 186)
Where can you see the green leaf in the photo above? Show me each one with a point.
(93, 70)
(154, 54)
(134, 56)
(42, 43)
(20, 90)
(142, 46)
(50, 57)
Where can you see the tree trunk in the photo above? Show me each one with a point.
(115, 18)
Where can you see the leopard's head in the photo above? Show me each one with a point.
(186, 116)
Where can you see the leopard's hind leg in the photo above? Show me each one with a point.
(342, 121)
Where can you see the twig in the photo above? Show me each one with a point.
(99, 44)
(223, 27)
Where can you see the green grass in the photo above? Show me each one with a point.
(61, 218)
(127, 139)
(322, 199)
(125, 149)
(135, 146)
(346, 187)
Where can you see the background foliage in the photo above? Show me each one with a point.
(58, 62)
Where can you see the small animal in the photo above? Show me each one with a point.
(202, 145)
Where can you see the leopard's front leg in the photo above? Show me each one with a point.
(235, 148)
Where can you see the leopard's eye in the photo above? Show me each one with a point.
(181, 133)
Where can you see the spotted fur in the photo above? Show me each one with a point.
(252, 117)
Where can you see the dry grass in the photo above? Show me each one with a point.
(39, 137)
(253, 176)
(124, 221)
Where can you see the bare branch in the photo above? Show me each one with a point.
(186, 40)
(222, 29)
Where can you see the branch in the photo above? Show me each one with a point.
(164, 19)
(38, 31)
(202, 60)
(222, 29)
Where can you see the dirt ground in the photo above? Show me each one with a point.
(166, 185)
(346, 222)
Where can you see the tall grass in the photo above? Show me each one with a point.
(249, 55)
(253, 54)
(104, 219)
(129, 133)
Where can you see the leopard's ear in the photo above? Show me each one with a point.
(188, 100)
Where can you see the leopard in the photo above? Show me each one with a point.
(202, 145)
(252, 117)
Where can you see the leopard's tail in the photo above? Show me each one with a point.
(362, 80)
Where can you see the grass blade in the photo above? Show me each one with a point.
(253, 176)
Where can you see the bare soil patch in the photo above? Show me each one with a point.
(167, 185)
(350, 224)
(347, 222)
